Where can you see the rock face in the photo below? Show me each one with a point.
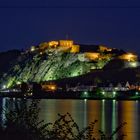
(43, 64)
(37, 68)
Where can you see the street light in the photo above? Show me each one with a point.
(114, 93)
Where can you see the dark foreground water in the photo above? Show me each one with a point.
(109, 114)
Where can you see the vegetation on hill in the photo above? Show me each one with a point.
(47, 64)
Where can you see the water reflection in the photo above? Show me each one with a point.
(94, 113)
(3, 108)
(114, 115)
(110, 114)
(103, 116)
(85, 114)
(129, 113)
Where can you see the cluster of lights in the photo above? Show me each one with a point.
(114, 93)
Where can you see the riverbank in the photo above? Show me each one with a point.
(73, 95)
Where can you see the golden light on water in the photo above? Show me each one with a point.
(126, 115)
(93, 114)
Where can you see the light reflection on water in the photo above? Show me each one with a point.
(129, 112)
(108, 113)
(3, 111)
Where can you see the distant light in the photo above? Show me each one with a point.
(137, 93)
(114, 101)
(114, 93)
(14, 90)
(52, 87)
(18, 83)
(30, 94)
(103, 93)
(130, 55)
(103, 100)
(85, 100)
(4, 86)
(85, 93)
(133, 64)
(32, 48)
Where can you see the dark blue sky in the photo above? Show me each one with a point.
(115, 23)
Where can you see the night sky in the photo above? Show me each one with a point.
(115, 23)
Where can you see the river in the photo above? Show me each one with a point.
(109, 113)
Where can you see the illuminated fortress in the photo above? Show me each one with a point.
(68, 46)
(61, 45)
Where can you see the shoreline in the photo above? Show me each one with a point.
(66, 96)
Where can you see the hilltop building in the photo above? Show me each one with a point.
(61, 45)
(91, 53)
(103, 48)
(128, 57)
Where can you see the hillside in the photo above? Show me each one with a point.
(102, 76)
(69, 62)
